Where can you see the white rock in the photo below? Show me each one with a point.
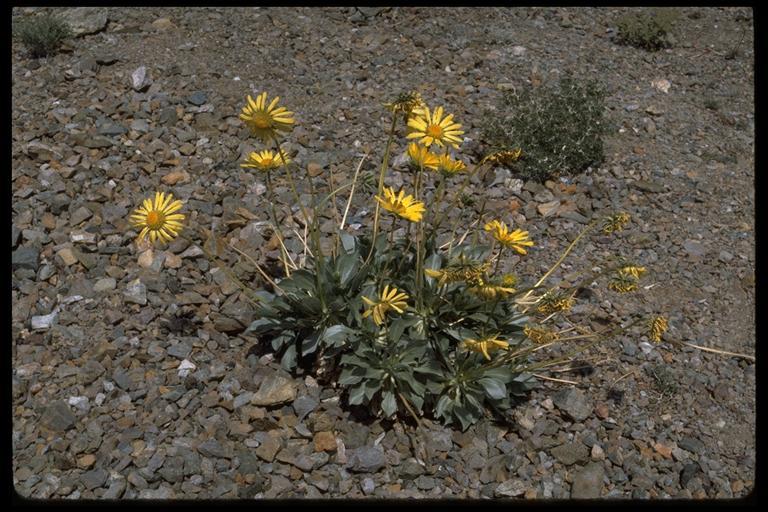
(185, 367)
(79, 402)
(44, 321)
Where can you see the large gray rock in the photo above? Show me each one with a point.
(85, 20)
(574, 403)
(25, 257)
(570, 453)
(588, 481)
(368, 459)
(58, 417)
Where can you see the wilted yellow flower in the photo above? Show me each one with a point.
(389, 299)
(486, 345)
(449, 166)
(540, 334)
(554, 301)
(422, 157)
(433, 128)
(503, 157)
(404, 206)
(517, 239)
(615, 222)
(406, 103)
(266, 160)
(465, 271)
(509, 280)
(632, 270)
(157, 219)
(623, 283)
(488, 290)
(265, 121)
(658, 327)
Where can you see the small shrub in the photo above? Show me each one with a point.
(559, 128)
(42, 35)
(649, 30)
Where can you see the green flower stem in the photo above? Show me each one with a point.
(275, 225)
(439, 196)
(567, 251)
(382, 173)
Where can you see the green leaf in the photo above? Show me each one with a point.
(337, 335)
(289, 358)
(261, 325)
(388, 403)
(348, 242)
(444, 405)
(371, 388)
(348, 378)
(357, 394)
(347, 266)
(310, 343)
(494, 388)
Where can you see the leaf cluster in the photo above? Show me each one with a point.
(42, 35)
(560, 128)
(416, 362)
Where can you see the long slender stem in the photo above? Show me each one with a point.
(382, 173)
(276, 225)
(567, 251)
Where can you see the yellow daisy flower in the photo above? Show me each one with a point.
(433, 128)
(389, 299)
(265, 121)
(404, 206)
(486, 345)
(448, 166)
(421, 157)
(157, 218)
(266, 160)
(516, 240)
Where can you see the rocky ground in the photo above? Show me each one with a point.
(131, 375)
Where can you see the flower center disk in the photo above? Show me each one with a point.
(155, 220)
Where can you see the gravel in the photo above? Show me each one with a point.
(147, 387)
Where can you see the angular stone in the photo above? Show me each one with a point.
(325, 442)
(570, 453)
(105, 284)
(574, 403)
(94, 478)
(26, 257)
(140, 80)
(511, 488)
(550, 208)
(275, 389)
(198, 98)
(268, 448)
(58, 416)
(180, 350)
(43, 322)
(588, 481)
(136, 292)
(694, 248)
(212, 448)
(367, 459)
(691, 444)
(85, 20)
